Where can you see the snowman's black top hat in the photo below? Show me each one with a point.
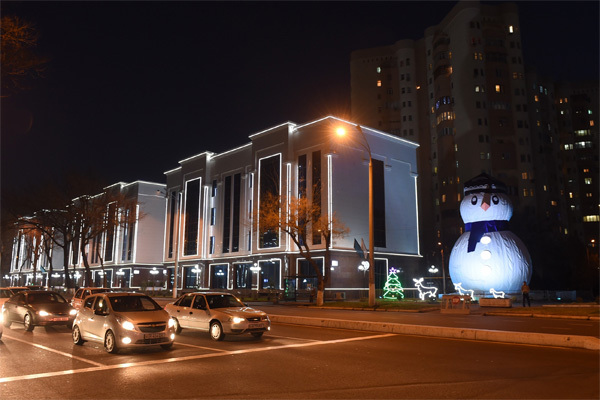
(484, 183)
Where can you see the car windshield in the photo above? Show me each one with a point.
(223, 301)
(48, 297)
(133, 303)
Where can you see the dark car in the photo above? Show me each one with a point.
(81, 294)
(37, 307)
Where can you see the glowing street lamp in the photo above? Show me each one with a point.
(341, 132)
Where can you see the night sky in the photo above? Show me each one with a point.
(134, 87)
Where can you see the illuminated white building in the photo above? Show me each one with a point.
(127, 256)
(211, 199)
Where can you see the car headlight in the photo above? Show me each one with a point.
(43, 313)
(128, 325)
(171, 322)
(72, 312)
(237, 320)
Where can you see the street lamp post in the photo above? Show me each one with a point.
(342, 132)
(443, 267)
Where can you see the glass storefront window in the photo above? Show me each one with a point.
(269, 274)
(218, 279)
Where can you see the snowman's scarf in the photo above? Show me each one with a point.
(478, 228)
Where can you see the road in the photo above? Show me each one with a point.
(292, 362)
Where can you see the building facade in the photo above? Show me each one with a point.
(128, 255)
(213, 239)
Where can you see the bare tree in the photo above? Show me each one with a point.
(97, 215)
(298, 217)
(18, 58)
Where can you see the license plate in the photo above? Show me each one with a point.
(154, 335)
(256, 325)
(59, 319)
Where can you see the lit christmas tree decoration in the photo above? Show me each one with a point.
(393, 288)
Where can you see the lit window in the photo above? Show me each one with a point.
(524, 175)
(378, 70)
(586, 170)
(591, 218)
(536, 98)
(553, 202)
(592, 122)
(511, 29)
(590, 112)
(498, 88)
(458, 197)
(570, 195)
(524, 192)
(378, 83)
(588, 181)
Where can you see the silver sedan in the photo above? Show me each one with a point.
(217, 313)
(120, 320)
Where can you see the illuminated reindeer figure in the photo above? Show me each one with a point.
(462, 291)
(497, 294)
(424, 290)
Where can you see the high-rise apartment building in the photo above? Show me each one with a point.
(577, 106)
(463, 94)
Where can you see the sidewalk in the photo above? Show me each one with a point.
(481, 324)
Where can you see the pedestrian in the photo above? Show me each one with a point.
(525, 291)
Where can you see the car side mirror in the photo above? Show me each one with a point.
(100, 312)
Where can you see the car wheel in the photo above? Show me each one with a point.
(28, 322)
(110, 343)
(5, 321)
(177, 326)
(167, 346)
(216, 331)
(257, 334)
(77, 336)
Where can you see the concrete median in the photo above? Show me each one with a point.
(542, 339)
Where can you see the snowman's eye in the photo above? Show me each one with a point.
(495, 199)
(474, 200)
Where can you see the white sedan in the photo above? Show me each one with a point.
(217, 313)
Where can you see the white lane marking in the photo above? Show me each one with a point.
(187, 358)
(292, 338)
(198, 347)
(54, 351)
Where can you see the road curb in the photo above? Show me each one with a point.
(542, 339)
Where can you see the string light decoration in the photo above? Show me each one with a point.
(424, 290)
(462, 291)
(393, 288)
(497, 294)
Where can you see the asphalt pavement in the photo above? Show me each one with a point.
(481, 323)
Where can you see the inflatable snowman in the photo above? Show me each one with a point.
(488, 255)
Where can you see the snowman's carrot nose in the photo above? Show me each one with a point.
(485, 202)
